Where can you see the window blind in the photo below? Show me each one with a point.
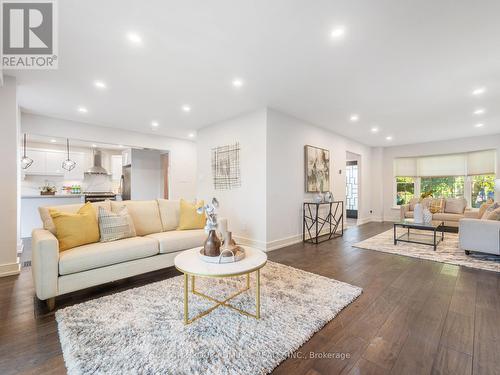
(481, 162)
(466, 164)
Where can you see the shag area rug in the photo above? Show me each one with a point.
(447, 251)
(141, 330)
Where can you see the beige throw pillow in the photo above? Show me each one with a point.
(115, 225)
(483, 209)
(494, 215)
(455, 205)
(489, 212)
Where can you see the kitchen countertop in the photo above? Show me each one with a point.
(52, 196)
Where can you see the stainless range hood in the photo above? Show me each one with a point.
(97, 168)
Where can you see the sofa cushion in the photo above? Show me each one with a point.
(490, 210)
(455, 205)
(145, 215)
(103, 254)
(483, 209)
(447, 217)
(115, 226)
(437, 205)
(178, 240)
(47, 221)
(169, 213)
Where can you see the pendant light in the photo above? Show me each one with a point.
(25, 161)
(68, 164)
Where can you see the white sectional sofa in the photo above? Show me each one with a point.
(155, 247)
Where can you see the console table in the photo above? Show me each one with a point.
(313, 223)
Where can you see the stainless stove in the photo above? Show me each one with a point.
(98, 196)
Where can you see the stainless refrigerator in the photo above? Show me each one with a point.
(125, 182)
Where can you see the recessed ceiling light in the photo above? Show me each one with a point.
(94, 145)
(479, 91)
(134, 38)
(480, 125)
(100, 84)
(479, 111)
(354, 118)
(186, 108)
(53, 141)
(374, 129)
(121, 146)
(191, 135)
(82, 109)
(155, 124)
(389, 138)
(338, 32)
(238, 82)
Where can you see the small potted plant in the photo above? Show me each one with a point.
(48, 189)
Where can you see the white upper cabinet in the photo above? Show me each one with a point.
(38, 166)
(116, 167)
(53, 163)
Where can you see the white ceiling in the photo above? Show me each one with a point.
(407, 67)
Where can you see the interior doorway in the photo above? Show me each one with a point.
(352, 187)
(164, 158)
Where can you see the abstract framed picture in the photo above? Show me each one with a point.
(226, 167)
(317, 169)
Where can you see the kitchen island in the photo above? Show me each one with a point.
(30, 218)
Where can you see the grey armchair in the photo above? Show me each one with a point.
(481, 236)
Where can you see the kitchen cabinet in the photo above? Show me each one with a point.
(116, 167)
(38, 166)
(53, 163)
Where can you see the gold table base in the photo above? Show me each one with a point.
(219, 303)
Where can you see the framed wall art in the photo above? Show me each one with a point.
(317, 169)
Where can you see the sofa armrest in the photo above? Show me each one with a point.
(469, 214)
(45, 263)
(403, 210)
(480, 235)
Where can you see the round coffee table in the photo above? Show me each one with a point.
(190, 264)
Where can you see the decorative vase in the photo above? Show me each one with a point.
(212, 244)
(427, 216)
(418, 213)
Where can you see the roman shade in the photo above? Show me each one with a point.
(465, 164)
(481, 162)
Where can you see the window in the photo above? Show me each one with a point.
(446, 187)
(483, 188)
(405, 188)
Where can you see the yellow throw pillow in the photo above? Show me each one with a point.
(437, 205)
(78, 229)
(189, 218)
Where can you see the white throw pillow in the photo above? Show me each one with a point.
(455, 205)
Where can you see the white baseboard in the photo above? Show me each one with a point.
(10, 269)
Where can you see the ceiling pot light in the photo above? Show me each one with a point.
(354, 118)
(191, 135)
(480, 125)
(186, 108)
(25, 160)
(68, 164)
(237, 82)
(134, 38)
(479, 111)
(155, 124)
(53, 141)
(100, 85)
(389, 138)
(94, 145)
(338, 32)
(82, 109)
(374, 129)
(478, 91)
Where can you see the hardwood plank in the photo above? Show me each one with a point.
(451, 362)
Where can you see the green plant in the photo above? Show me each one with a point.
(47, 188)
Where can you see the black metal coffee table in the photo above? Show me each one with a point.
(409, 224)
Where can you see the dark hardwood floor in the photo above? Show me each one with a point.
(414, 316)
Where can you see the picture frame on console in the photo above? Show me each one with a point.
(316, 169)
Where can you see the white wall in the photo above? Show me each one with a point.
(182, 153)
(429, 148)
(146, 175)
(245, 207)
(9, 170)
(286, 137)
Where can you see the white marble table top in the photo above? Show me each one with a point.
(190, 262)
